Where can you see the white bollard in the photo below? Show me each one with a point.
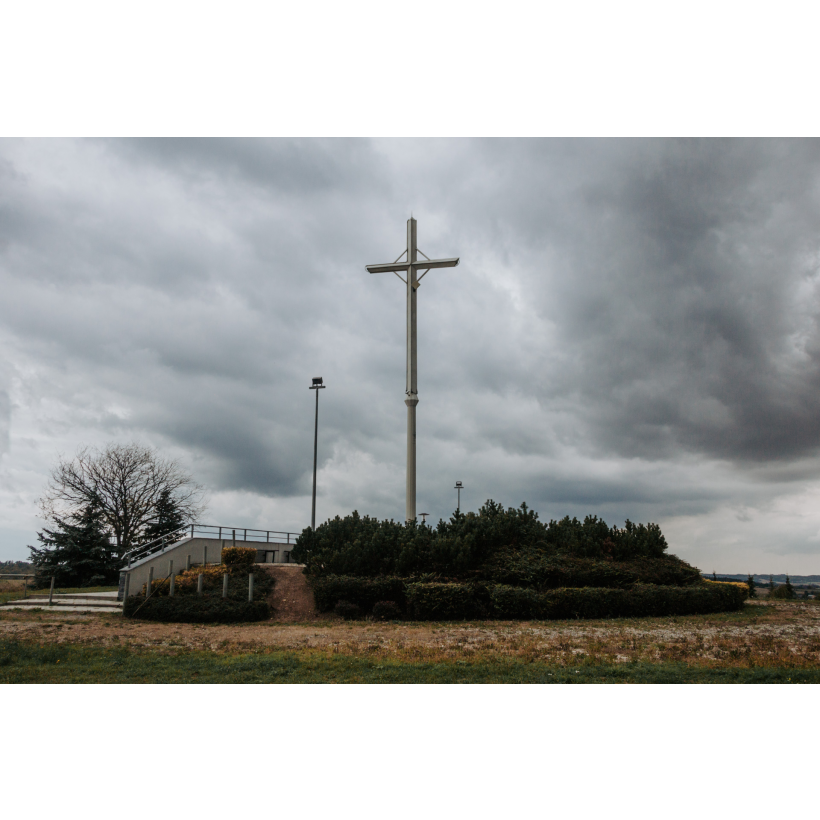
(225, 585)
(173, 582)
(250, 587)
(51, 591)
(199, 584)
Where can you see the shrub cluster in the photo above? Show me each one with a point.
(438, 602)
(186, 582)
(348, 610)
(386, 611)
(365, 546)
(328, 590)
(242, 558)
(187, 609)
(503, 563)
(542, 570)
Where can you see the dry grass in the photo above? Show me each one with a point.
(763, 634)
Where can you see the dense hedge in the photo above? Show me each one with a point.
(438, 601)
(200, 610)
(534, 568)
(434, 602)
(242, 558)
(364, 546)
(504, 563)
(328, 590)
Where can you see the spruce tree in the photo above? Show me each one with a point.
(790, 593)
(77, 550)
(751, 583)
(167, 517)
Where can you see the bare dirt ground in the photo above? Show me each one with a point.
(763, 634)
(292, 597)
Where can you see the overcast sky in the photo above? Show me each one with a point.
(632, 331)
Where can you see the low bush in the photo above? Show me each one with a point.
(364, 592)
(200, 610)
(348, 610)
(534, 568)
(242, 558)
(186, 582)
(444, 602)
(433, 602)
(386, 611)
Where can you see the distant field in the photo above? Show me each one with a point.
(765, 642)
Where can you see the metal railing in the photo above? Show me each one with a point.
(234, 534)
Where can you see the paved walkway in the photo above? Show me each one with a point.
(70, 602)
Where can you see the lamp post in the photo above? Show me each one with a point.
(459, 486)
(317, 386)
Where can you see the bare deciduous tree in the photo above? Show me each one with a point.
(129, 481)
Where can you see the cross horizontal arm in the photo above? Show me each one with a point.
(403, 266)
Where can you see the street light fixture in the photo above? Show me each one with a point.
(424, 517)
(317, 386)
(459, 486)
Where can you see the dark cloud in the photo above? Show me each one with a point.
(633, 330)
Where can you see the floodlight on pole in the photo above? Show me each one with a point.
(459, 486)
(317, 386)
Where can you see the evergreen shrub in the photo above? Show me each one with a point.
(435, 602)
(187, 609)
(348, 610)
(459, 548)
(505, 563)
(386, 611)
(364, 592)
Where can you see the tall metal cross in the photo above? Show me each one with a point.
(411, 266)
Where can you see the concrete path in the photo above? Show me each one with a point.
(69, 602)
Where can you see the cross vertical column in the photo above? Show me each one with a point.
(412, 369)
(411, 266)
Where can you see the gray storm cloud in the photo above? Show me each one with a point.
(632, 331)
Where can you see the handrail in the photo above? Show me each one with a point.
(240, 534)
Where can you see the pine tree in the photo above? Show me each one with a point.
(167, 518)
(771, 583)
(714, 577)
(790, 593)
(751, 583)
(77, 550)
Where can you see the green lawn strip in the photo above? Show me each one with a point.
(28, 662)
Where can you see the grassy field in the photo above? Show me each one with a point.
(765, 642)
(27, 662)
